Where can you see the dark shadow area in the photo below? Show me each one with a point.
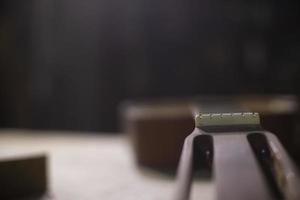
(67, 64)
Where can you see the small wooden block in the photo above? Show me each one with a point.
(22, 175)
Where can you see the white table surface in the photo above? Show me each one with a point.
(88, 166)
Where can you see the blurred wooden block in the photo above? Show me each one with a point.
(22, 175)
(158, 128)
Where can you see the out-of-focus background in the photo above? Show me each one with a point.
(70, 68)
(67, 64)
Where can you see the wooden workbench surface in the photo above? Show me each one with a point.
(88, 166)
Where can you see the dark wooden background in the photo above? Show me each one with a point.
(67, 64)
